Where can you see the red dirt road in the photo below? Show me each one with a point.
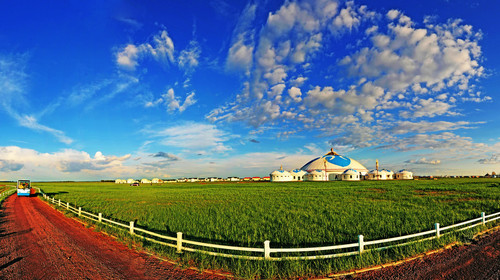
(479, 260)
(37, 242)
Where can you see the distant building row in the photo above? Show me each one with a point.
(334, 167)
(347, 175)
(182, 180)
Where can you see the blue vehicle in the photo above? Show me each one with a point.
(23, 187)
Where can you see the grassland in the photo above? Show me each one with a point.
(289, 214)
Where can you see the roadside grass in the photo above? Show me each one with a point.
(302, 214)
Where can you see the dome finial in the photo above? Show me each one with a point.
(331, 153)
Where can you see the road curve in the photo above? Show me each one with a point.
(37, 242)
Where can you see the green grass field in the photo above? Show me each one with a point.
(302, 214)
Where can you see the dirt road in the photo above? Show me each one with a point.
(37, 242)
(479, 260)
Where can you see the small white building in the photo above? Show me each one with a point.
(387, 174)
(120, 181)
(404, 175)
(372, 175)
(130, 181)
(156, 181)
(280, 176)
(351, 175)
(145, 181)
(315, 175)
(298, 174)
(233, 179)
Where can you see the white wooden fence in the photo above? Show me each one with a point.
(265, 252)
(5, 194)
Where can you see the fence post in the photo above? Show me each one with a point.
(483, 215)
(79, 211)
(67, 205)
(436, 226)
(361, 243)
(267, 249)
(179, 242)
(53, 200)
(131, 227)
(100, 217)
(59, 203)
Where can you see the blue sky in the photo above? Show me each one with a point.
(116, 89)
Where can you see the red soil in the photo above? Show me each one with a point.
(37, 242)
(479, 260)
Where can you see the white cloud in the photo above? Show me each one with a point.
(240, 54)
(161, 49)
(403, 127)
(397, 74)
(12, 96)
(295, 94)
(189, 58)
(32, 123)
(424, 161)
(192, 136)
(128, 57)
(173, 102)
(64, 164)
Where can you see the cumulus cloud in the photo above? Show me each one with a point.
(160, 49)
(172, 102)
(397, 77)
(64, 164)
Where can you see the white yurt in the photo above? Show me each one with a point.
(145, 181)
(387, 174)
(156, 181)
(333, 165)
(351, 175)
(298, 174)
(130, 181)
(372, 175)
(280, 175)
(404, 175)
(315, 175)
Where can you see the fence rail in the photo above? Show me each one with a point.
(6, 193)
(179, 243)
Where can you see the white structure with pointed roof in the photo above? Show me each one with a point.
(298, 175)
(351, 175)
(315, 175)
(404, 175)
(333, 165)
(280, 175)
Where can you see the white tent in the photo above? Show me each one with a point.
(387, 174)
(351, 175)
(404, 175)
(298, 175)
(315, 175)
(280, 176)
